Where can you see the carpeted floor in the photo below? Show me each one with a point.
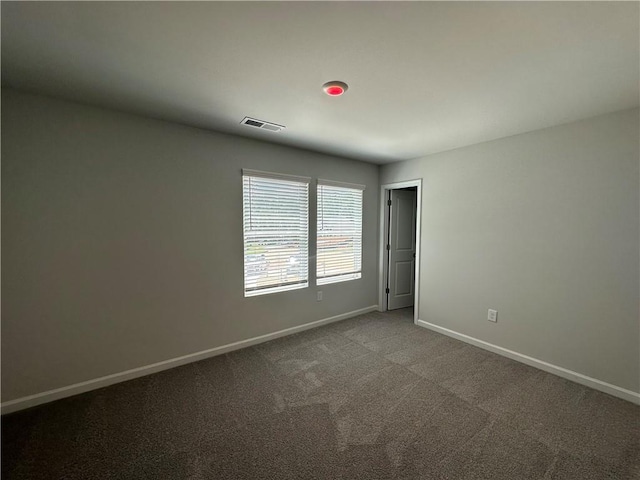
(372, 397)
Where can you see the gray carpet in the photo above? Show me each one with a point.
(372, 397)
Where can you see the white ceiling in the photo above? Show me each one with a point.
(423, 77)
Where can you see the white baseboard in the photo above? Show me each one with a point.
(619, 392)
(58, 393)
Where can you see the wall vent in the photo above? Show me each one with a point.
(255, 123)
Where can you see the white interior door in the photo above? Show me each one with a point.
(402, 249)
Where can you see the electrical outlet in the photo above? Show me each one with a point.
(319, 296)
(492, 316)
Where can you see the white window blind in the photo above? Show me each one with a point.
(276, 232)
(339, 232)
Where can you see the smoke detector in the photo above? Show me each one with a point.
(335, 88)
(261, 124)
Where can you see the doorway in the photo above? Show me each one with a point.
(400, 246)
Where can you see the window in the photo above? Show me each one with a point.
(339, 232)
(276, 232)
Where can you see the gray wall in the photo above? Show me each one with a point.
(122, 242)
(544, 228)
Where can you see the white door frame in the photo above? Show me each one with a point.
(384, 231)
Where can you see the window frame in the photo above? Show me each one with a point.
(305, 209)
(322, 280)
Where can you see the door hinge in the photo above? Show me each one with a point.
(387, 290)
(389, 202)
(388, 247)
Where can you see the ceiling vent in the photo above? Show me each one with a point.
(255, 123)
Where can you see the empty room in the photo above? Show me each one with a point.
(320, 240)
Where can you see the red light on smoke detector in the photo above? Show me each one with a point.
(335, 89)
